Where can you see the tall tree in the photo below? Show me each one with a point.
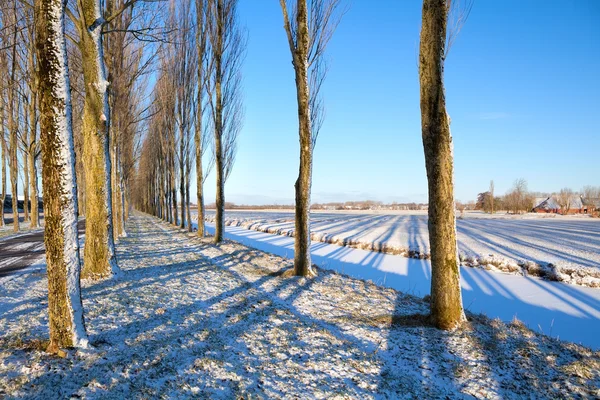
(201, 136)
(99, 253)
(3, 165)
(12, 123)
(65, 309)
(228, 44)
(446, 302)
(308, 35)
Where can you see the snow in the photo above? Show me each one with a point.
(564, 248)
(191, 319)
(561, 310)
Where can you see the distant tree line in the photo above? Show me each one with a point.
(347, 205)
(518, 199)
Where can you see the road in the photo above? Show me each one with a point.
(23, 250)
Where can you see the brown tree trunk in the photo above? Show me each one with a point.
(187, 201)
(3, 167)
(25, 155)
(65, 310)
(219, 160)
(32, 148)
(12, 124)
(199, 184)
(182, 181)
(35, 214)
(99, 252)
(302, 261)
(173, 189)
(201, 44)
(446, 302)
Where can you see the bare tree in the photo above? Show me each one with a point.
(201, 137)
(13, 118)
(185, 68)
(446, 301)
(99, 253)
(591, 192)
(518, 199)
(565, 197)
(65, 309)
(308, 34)
(228, 44)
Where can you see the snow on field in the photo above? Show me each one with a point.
(561, 310)
(557, 248)
(191, 319)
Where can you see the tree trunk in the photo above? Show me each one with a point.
(116, 189)
(182, 183)
(14, 173)
(12, 124)
(35, 214)
(446, 302)
(26, 155)
(32, 146)
(219, 161)
(187, 201)
(3, 167)
(200, 42)
(199, 182)
(122, 214)
(302, 261)
(99, 252)
(173, 189)
(65, 309)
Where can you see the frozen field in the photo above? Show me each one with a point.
(557, 248)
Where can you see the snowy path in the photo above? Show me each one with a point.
(561, 310)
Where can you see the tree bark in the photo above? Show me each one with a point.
(65, 309)
(99, 252)
(25, 155)
(302, 260)
(12, 124)
(3, 183)
(201, 46)
(32, 148)
(33, 182)
(3, 167)
(182, 177)
(219, 161)
(446, 303)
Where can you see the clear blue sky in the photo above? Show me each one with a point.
(522, 86)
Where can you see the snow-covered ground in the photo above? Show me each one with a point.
(554, 247)
(190, 319)
(557, 309)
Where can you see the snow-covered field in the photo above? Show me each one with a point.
(554, 247)
(190, 319)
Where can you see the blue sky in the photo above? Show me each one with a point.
(522, 86)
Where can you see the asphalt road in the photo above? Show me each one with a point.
(23, 250)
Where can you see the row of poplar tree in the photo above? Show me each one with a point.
(197, 50)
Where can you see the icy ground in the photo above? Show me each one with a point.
(190, 319)
(561, 248)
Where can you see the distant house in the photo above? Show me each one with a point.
(546, 205)
(551, 205)
(591, 206)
